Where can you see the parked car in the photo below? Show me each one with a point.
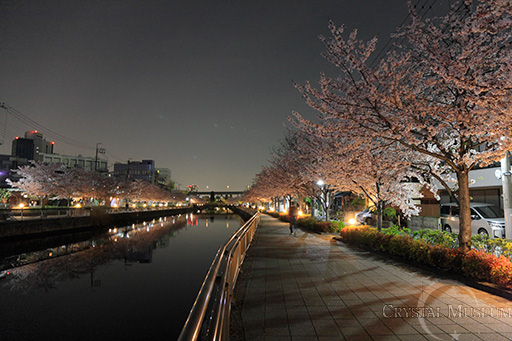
(367, 216)
(486, 219)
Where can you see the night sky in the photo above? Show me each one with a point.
(204, 88)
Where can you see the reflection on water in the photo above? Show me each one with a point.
(133, 243)
(143, 276)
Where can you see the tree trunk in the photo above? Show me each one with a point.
(380, 209)
(325, 202)
(464, 211)
(329, 194)
(300, 199)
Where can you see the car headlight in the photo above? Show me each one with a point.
(496, 225)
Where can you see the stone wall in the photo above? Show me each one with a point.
(419, 223)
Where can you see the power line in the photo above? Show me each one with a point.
(57, 136)
(385, 49)
(116, 157)
(49, 132)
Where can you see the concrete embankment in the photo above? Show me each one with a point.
(98, 219)
(245, 214)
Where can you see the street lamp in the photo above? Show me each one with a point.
(21, 207)
(323, 190)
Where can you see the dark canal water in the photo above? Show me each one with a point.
(133, 283)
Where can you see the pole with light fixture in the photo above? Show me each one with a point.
(98, 150)
(21, 209)
(506, 179)
(324, 199)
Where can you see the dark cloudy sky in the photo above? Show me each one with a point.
(204, 88)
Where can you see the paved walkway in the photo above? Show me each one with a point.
(311, 287)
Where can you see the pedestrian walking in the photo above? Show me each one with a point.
(292, 214)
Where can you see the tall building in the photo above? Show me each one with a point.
(31, 146)
(143, 170)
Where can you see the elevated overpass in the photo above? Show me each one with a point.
(214, 195)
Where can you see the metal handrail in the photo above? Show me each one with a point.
(209, 317)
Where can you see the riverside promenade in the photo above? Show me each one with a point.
(312, 287)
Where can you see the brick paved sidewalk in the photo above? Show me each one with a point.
(311, 287)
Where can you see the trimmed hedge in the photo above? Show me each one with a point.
(311, 223)
(475, 264)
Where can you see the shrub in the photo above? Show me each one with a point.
(336, 226)
(284, 217)
(419, 252)
(477, 264)
(397, 230)
(306, 222)
(501, 272)
(389, 213)
(400, 246)
(437, 237)
(436, 249)
(273, 214)
(322, 226)
(495, 246)
(311, 223)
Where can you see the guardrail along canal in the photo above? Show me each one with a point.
(137, 281)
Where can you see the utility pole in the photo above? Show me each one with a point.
(506, 179)
(98, 150)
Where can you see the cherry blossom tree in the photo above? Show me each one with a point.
(369, 169)
(44, 180)
(36, 179)
(444, 95)
(260, 191)
(288, 167)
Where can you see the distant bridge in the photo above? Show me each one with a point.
(216, 194)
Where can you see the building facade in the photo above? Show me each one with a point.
(484, 187)
(31, 146)
(83, 162)
(164, 176)
(142, 170)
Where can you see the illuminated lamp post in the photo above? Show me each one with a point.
(21, 208)
(321, 184)
(326, 197)
(505, 175)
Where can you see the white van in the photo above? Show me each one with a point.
(486, 219)
(368, 216)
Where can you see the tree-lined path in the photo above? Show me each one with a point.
(310, 286)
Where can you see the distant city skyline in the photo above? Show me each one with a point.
(202, 88)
